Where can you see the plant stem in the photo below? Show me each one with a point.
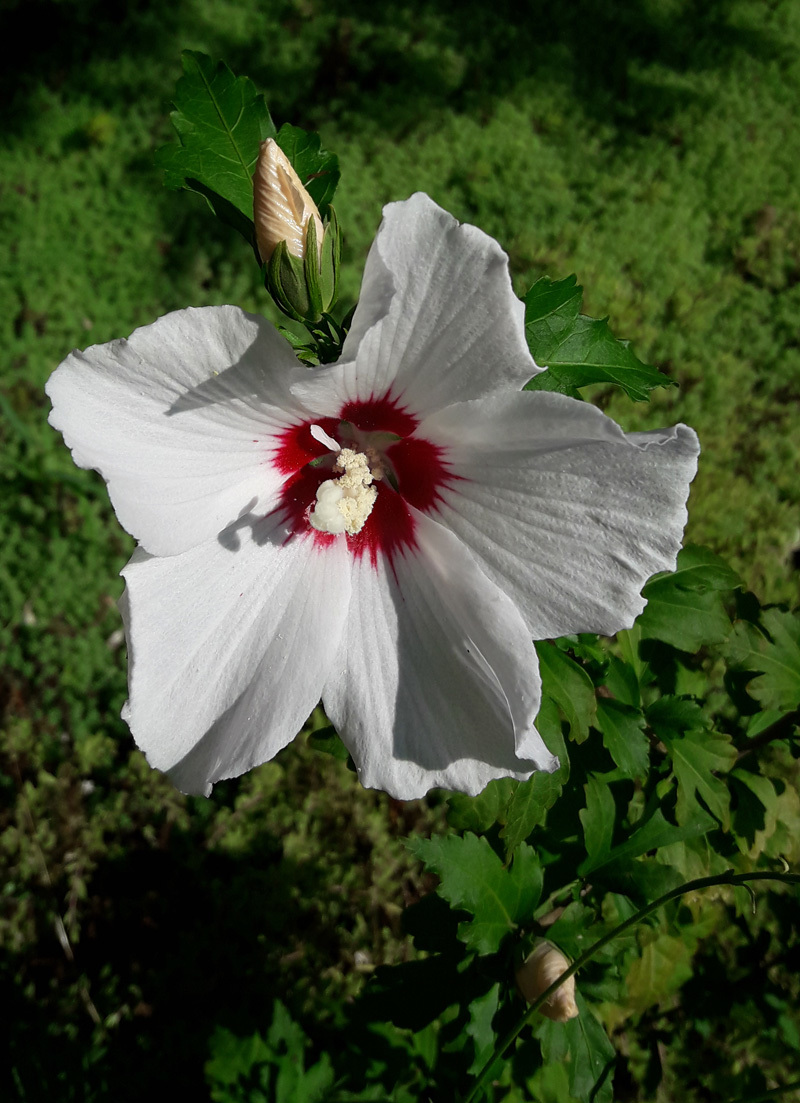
(727, 878)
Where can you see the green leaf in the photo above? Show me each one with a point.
(279, 1060)
(232, 1058)
(684, 608)
(642, 880)
(570, 687)
(694, 758)
(775, 653)
(578, 350)
(570, 932)
(622, 728)
(656, 832)
(479, 813)
(220, 121)
(327, 740)
(598, 820)
(531, 799)
(481, 1013)
(473, 878)
(316, 167)
(670, 717)
(528, 807)
(665, 964)
(756, 808)
(622, 682)
(583, 1045)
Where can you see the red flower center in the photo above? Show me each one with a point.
(416, 473)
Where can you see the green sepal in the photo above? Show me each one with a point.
(286, 282)
(311, 272)
(304, 288)
(330, 260)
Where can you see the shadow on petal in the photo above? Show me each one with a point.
(266, 528)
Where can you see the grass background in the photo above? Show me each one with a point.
(650, 146)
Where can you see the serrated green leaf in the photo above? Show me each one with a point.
(576, 350)
(473, 878)
(684, 608)
(570, 687)
(622, 728)
(528, 807)
(317, 168)
(221, 121)
(598, 820)
(553, 304)
(482, 1011)
(670, 716)
(694, 758)
(775, 654)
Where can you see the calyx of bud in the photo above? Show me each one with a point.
(299, 252)
(541, 968)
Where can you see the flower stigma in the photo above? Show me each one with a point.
(344, 504)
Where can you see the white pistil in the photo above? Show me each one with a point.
(344, 504)
(319, 434)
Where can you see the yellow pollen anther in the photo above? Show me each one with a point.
(344, 504)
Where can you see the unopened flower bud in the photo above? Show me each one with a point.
(541, 968)
(301, 254)
(282, 208)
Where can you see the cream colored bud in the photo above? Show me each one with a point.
(282, 208)
(541, 968)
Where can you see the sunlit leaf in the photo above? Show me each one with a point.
(474, 878)
(775, 653)
(685, 608)
(695, 758)
(220, 121)
(570, 687)
(622, 728)
(578, 350)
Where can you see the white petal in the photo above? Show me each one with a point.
(564, 511)
(231, 644)
(179, 419)
(437, 322)
(438, 681)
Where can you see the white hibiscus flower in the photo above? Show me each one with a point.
(388, 533)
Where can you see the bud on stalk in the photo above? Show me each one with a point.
(541, 968)
(301, 255)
